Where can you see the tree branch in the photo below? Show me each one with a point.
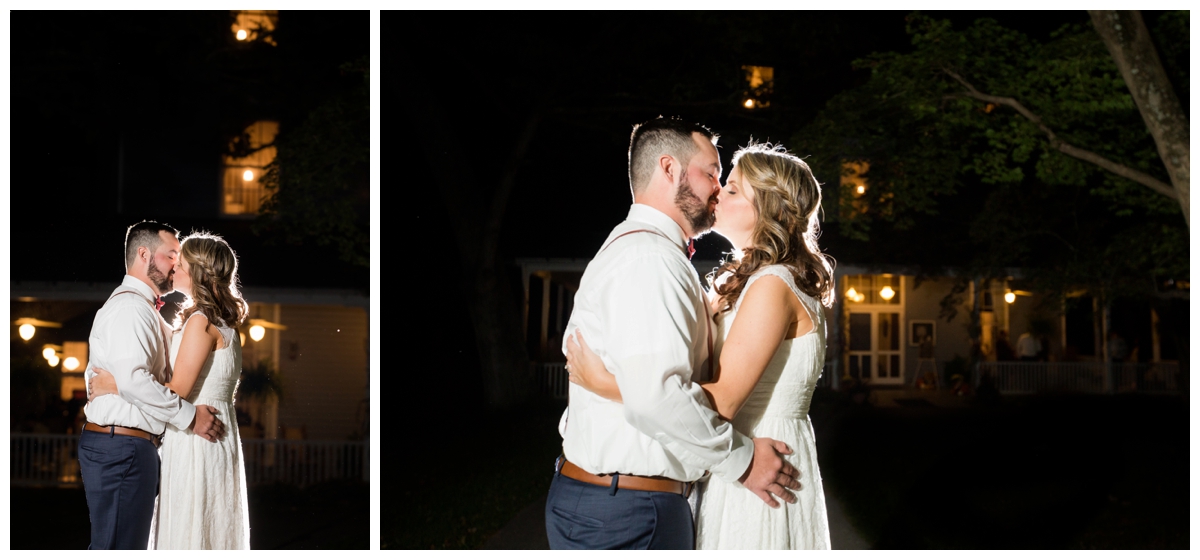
(1066, 148)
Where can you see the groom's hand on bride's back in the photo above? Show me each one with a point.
(769, 475)
(206, 424)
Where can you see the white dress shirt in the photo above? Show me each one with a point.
(130, 339)
(641, 308)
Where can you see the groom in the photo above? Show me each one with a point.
(628, 468)
(118, 448)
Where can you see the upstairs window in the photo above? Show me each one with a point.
(242, 190)
(255, 25)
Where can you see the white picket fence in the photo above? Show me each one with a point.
(1080, 377)
(51, 460)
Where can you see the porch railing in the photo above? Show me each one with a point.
(1079, 377)
(51, 460)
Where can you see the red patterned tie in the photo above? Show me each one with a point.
(691, 249)
(158, 303)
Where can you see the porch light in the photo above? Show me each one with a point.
(1010, 297)
(862, 189)
(887, 293)
(248, 175)
(71, 363)
(28, 326)
(241, 35)
(53, 360)
(258, 328)
(50, 350)
(852, 294)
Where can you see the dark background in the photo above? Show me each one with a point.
(466, 472)
(169, 90)
(165, 92)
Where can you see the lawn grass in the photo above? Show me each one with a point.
(1048, 472)
(1045, 472)
(463, 489)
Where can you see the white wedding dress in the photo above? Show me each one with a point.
(202, 493)
(727, 515)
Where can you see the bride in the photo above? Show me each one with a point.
(202, 494)
(769, 363)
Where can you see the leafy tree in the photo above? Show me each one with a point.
(1037, 150)
(319, 183)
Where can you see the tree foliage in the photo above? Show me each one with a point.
(929, 138)
(319, 183)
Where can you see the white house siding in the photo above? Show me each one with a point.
(323, 362)
(924, 304)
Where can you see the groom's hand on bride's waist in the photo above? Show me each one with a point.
(769, 475)
(206, 424)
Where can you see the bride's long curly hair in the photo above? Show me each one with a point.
(213, 271)
(787, 199)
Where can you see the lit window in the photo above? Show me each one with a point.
(868, 289)
(253, 25)
(760, 83)
(242, 189)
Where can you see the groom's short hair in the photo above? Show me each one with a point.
(144, 234)
(653, 138)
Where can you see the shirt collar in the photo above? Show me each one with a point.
(138, 285)
(662, 222)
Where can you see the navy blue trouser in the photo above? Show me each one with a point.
(585, 516)
(120, 480)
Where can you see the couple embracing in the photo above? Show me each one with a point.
(157, 394)
(687, 423)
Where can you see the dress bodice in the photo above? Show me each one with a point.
(787, 384)
(221, 371)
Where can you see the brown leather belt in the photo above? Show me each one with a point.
(628, 481)
(123, 431)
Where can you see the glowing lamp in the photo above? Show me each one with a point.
(852, 294)
(26, 331)
(257, 332)
(749, 104)
(53, 359)
(862, 189)
(71, 363)
(1010, 297)
(241, 35)
(887, 293)
(248, 175)
(47, 352)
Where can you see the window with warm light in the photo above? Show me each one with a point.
(854, 181)
(872, 289)
(760, 84)
(242, 189)
(255, 25)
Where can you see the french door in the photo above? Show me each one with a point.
(876, 344)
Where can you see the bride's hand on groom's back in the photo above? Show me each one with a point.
(769, 475)
(102, 384)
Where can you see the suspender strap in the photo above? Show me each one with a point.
(711, 358)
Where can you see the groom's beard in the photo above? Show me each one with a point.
(163, 281)
(695, 210)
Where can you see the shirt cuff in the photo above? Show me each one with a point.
(735, 465)
(183, 419)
